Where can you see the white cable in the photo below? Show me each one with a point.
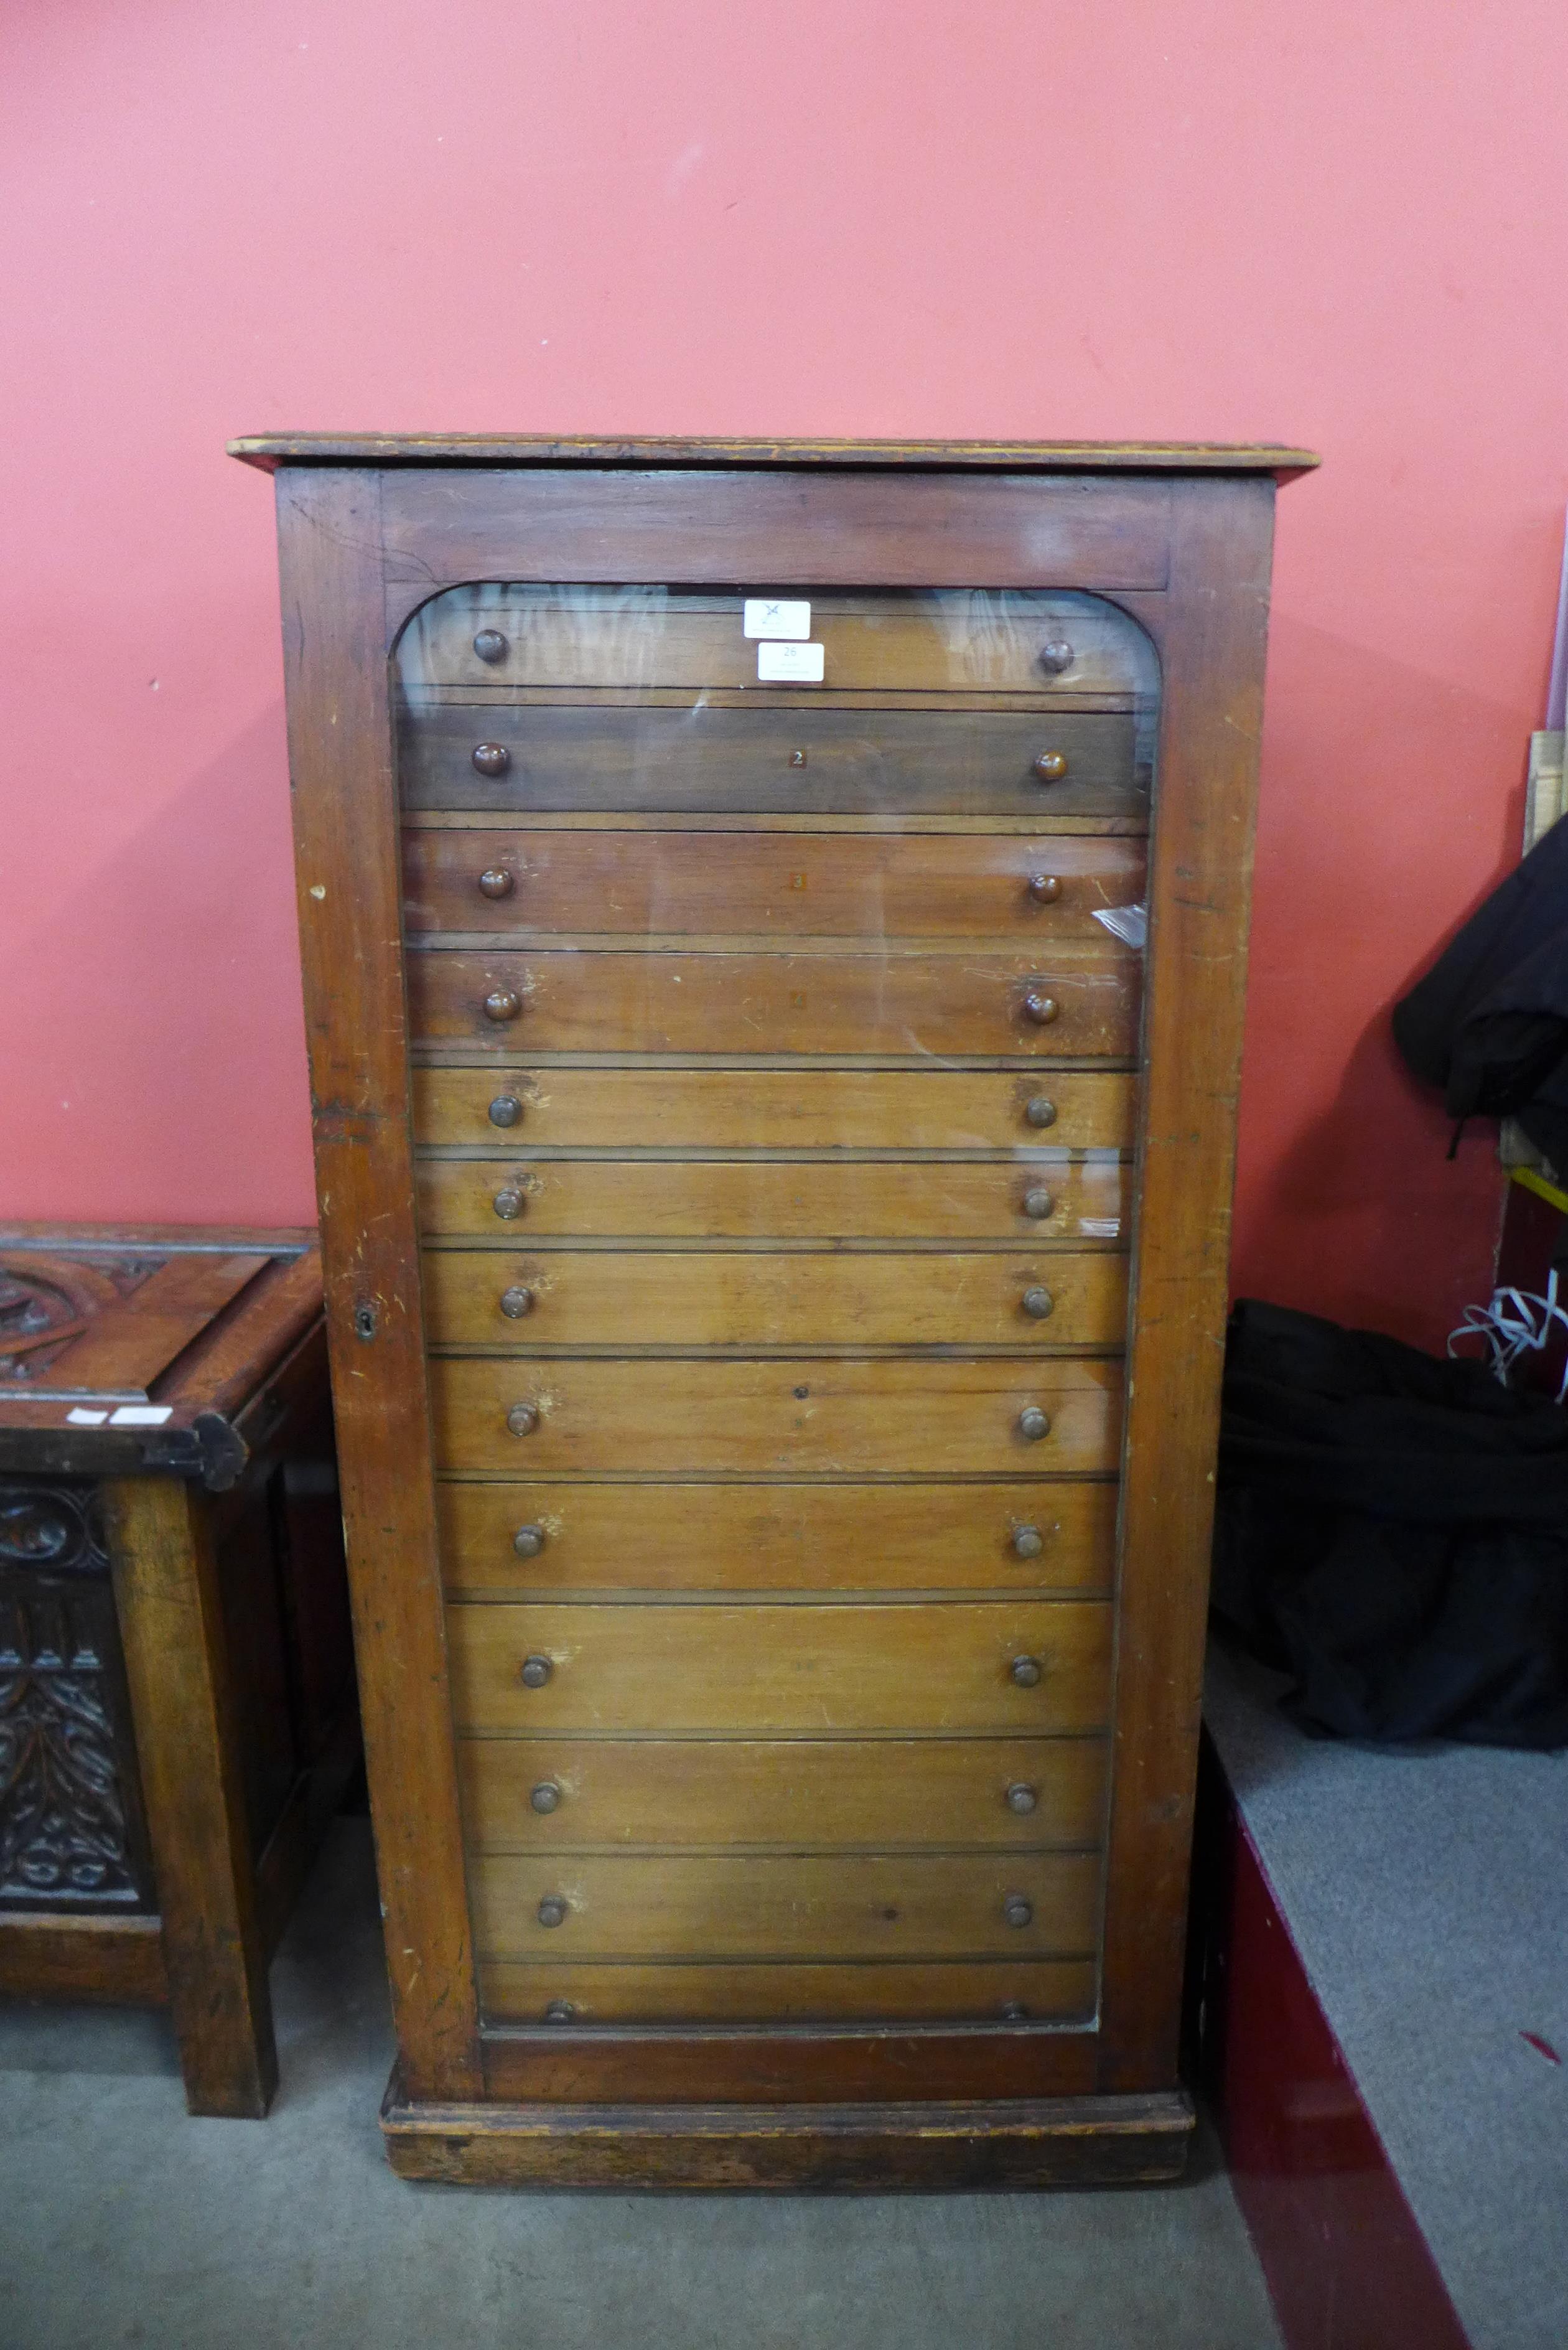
(1517, 1322)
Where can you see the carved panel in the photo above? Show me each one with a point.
(72, 1834)
(47, 1301)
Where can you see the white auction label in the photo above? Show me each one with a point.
(763, 618)
(80, 1417)
(789, 664)
(140, 1415)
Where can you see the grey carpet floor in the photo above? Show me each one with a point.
(123, 2221)
(1428, 1895)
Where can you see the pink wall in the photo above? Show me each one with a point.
(1206, 219)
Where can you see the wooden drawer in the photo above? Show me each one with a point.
(964, 639)
(668, 1537)
(628, 1299)
(1046, 1990)
(755, 1667)
(584, 1000)
(802, 884)
(664, 1198)
(804, 1792)
(843, 1905)
(776, 1109)
(805, 758)
(885, 1417)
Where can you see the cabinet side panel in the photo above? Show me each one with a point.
(1212, 640)
(345, 841)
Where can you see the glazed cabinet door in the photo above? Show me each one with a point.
(775, 991)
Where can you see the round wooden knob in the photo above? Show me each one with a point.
(1027, 1541)
(1025, 1671)
(1034, 1423)
(517, 1301)
(494, 758)
(1049, 767)
(1015, 1910)
(1036, 1303)
(528, 1541)
(505, 1003)
(509, 1203)
(1038, 1203)
(497, 882)
(546, 1797)
(507, 1111)
(1021, 1798)
(523, 1418)
(1038, 1110)
(553, 1911)
(560, 2010)
(1043, 888)
(1040, 1009)
(1056, 655)
(537, 1671)
(490, 645)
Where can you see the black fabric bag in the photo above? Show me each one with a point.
(1392, 1532)
(1488, 1022)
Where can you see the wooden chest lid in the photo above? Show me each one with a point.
(124, 1351)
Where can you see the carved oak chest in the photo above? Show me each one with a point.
(176, 1680)
(774, 927)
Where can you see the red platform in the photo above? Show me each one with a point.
(1346, 2265)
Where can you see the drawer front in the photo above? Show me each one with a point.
(966, 641)
(755, 1668)
(575, 1298)
(1047, 1991)
(1085, 1000)
(700, 758)
(801, 1793)
(782, 1417)
(859, 1906)
(839, 885)
(599, 1199)
(776, 1109)
(1052, 1535)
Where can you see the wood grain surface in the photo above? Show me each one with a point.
(842, 1906)
(652, 757)
(756, 2135)
(866, 1990)
(170, 1599)
(910, 1537)
(270, 450)
(59, 1955)
(933, 1667)
(888, 640)
(587, 1000)
(785, 885)
(691, 527)
(633, 1299)
(803, 1108)
(804, 1793)
(663, 1199)
(349, 888)
(1199, 889)
(794, 1416)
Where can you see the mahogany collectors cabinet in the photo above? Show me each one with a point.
(776, 1247)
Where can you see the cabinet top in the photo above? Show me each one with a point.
(271, 449)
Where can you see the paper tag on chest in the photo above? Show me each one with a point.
(789, 664)
(765, 616)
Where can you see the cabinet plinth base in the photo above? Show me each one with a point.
(865, 2148)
